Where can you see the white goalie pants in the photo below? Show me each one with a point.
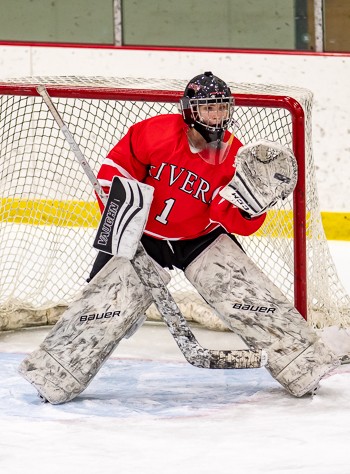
(255, 309)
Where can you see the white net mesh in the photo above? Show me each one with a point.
(48, 211)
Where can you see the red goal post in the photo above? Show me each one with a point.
(98, 111)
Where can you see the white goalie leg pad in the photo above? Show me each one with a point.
(166, 279)
(255, 309)
(110, 307)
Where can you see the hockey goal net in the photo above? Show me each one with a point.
(48, 213)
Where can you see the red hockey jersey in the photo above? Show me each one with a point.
(186, 203)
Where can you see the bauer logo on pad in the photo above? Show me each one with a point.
(124, 217)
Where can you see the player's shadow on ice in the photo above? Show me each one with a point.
(134, 387)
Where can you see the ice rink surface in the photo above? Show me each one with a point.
(148, 411)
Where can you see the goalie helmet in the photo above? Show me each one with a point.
(207, 106)
(202, 93)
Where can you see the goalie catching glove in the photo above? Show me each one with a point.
(265, 173)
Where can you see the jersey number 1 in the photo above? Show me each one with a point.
(163, 216)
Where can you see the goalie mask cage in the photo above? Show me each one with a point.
(49, 215)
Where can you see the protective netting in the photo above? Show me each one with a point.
(49, 214)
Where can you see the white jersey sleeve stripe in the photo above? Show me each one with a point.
(109, 162)
(105, 182)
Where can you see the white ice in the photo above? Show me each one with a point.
(150, 412)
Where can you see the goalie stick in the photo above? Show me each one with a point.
(194, 353)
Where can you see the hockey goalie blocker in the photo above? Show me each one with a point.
(124, 217)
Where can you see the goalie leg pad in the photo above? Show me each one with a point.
(255, 309)
(109, 308)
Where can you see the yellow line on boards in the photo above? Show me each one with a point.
(50, 212)
(336, 225)
(87, 214)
